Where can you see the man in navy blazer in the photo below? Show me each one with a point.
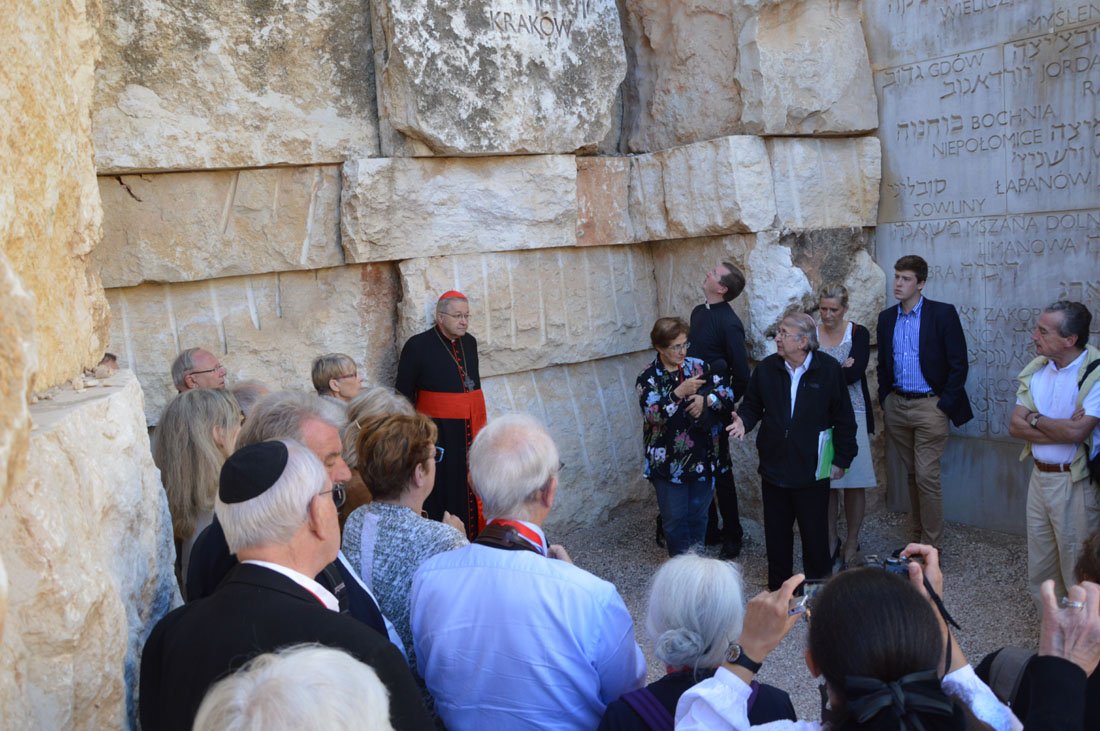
(922, 367)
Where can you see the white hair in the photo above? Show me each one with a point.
(696, 609)
(806, 327)
(282, 414)
(302, 686)
(511, 459)
(273, 517)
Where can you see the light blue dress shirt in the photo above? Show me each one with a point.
(907, 373)
(515, 640)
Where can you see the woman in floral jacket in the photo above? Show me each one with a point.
(680, 405)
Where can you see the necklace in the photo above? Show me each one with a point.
(466, 380)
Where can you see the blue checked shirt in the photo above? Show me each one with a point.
(907, 375)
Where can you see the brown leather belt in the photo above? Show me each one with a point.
(912, 395)
(1048, 467)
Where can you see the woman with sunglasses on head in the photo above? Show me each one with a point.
(681, 404)
(387, 539)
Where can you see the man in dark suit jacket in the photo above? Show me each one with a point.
(922, 367)
(308, 419)
(269, 601)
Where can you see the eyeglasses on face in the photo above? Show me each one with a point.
(339, 494)
(785, 335)
(457, 315)
(680, 348)
(346, 375)
(218, 367)
(439, 454)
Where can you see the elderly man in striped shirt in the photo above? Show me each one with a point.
(922, 367)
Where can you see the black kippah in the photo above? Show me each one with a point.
(251, 470)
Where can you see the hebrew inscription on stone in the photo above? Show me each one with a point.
(990, 130)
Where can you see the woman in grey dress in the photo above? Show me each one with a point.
(387, 540)
(850, 344)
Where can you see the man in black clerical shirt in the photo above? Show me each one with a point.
(718, 335)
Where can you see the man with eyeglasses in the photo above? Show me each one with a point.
(314, 422)
(276, 506)
(796, 395)
(196, 368)
(438, 372)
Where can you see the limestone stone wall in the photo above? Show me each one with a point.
(49, 207)
(88, 553)
(86, 556)
(567, 258)
(286, 178)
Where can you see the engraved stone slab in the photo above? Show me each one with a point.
(402, 208)
(268, 327)
(180, 227)
(911, 30)
(213, 84)
(86, 585)
(1000, 271)
(532, 309)
(991, 171)
(592, 412)
(803, 70)
(499, 76)
(825, 183)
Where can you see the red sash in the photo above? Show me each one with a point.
(469, 406)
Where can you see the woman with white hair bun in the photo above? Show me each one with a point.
(695, 613)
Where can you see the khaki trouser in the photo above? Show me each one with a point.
(1061, 514)
(918, 429)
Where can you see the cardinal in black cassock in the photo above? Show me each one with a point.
(438, 373)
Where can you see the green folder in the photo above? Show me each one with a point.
(824, 454)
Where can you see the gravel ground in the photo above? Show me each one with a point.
(985, 585)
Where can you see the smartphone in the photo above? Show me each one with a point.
(801, 604)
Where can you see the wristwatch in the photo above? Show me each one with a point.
(1034, 420)
(735, 656)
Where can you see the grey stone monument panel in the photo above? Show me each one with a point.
(939, 163)
(991, 171)
(1000, 271)
(924, 29)
(1052, 106)
(984, 484)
